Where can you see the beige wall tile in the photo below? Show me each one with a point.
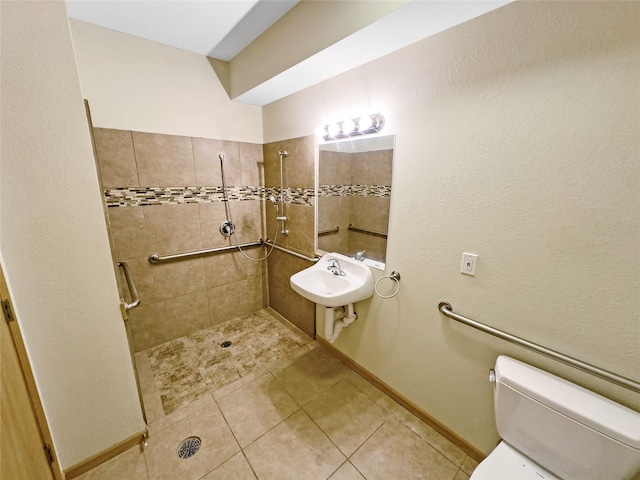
(128, 230)
(143, 324)
(247, 216)
(251, 164)
(272, 163)
(224, 268)
(380, 207)
(179, 277)
(183, 315)
(295, 308)
(301, 228)
(237, 298)
(207, 162)
(116, 158)
(164, 160)
(372, 168)
(334, 168)
(299, 165)
(173, 228)
(212, 214)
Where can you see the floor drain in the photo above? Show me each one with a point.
(225, 344)
(189, 447)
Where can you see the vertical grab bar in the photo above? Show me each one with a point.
(135, 297)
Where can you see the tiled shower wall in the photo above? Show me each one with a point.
(355, 188)
(163, 196)
(298, 173)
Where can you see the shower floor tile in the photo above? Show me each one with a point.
(303, 416)
(187, 368)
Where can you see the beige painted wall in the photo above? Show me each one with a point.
(517, 140)
(140, 85)
(54, 241)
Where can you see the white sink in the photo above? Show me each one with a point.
(318, 284)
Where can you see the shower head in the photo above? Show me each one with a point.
(273, 200)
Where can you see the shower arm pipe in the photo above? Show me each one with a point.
(155, 258)
(290, 252)
(447, 311)
(133, 291)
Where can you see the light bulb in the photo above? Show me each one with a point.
(348, 127)
(334, 129)
(365, 123)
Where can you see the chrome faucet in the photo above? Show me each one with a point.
(360, 256)
(334, 267)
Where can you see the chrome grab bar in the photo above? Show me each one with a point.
(369, 232)
(290, 252)
(447, 311)
(135, 297)
(155, 258)
(329, 230)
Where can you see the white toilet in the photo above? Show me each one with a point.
(554, 429)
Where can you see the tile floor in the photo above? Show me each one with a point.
(296, 414)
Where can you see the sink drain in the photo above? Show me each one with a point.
(189, 447)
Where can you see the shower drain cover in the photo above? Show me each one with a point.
(189, 447)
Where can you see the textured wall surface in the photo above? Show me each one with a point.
(54, 240)
(517, 140)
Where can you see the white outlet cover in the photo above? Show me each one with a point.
(469, 262)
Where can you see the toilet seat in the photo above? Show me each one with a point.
(506, 463)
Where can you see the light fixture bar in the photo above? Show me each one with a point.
(353, 127)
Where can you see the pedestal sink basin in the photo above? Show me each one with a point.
(352, 282)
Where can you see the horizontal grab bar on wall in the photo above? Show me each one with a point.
(155, 258)
(135, 297)
(368, 232)
(447, 310)
(295, 254)
(328, 231)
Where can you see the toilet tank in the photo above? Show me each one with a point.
(573, 432)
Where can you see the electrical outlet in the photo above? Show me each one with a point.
(469, 261)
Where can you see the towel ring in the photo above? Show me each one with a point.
(395, 276)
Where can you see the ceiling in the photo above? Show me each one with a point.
(215, 28)
(222, 29)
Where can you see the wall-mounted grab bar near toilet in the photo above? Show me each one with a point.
(135, 297)
(447, 310)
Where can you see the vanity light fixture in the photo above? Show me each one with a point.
(353, 127)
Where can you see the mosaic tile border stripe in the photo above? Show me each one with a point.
(359, 190)
(145, 196)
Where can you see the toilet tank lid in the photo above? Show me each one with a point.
(582, 405)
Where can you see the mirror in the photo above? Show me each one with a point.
(354, 193)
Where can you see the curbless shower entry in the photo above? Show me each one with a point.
(175, 374)
(182, 297)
